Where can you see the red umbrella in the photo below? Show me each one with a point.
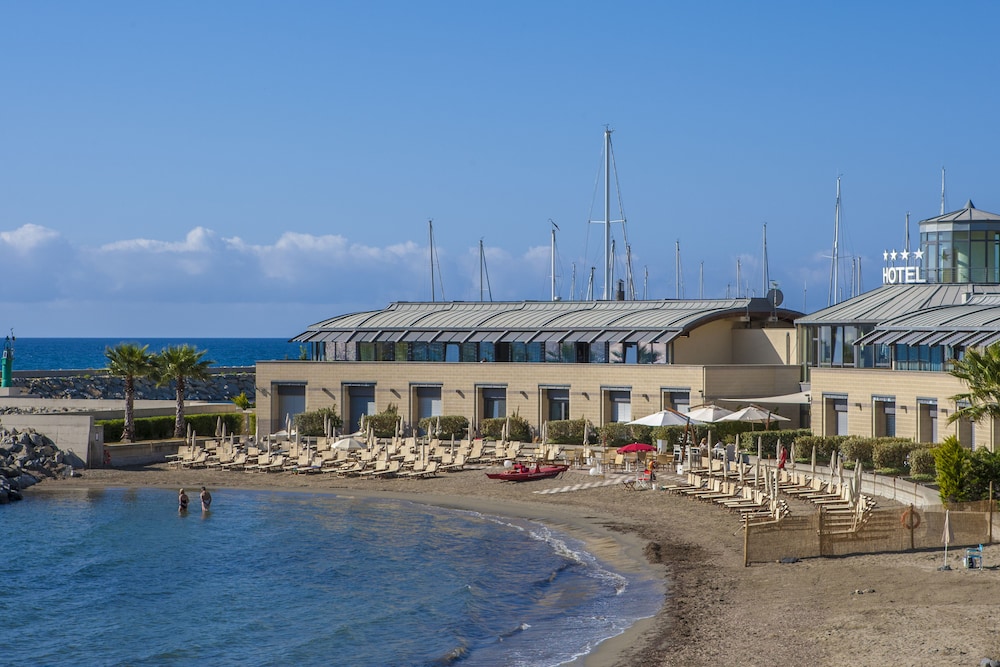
(636, 447)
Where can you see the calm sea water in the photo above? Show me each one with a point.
(81, 353)
(117, 577)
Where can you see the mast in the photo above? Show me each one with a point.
(480, 269)
(430, 244)
(630, 280)
(701, 280)
(942, 190)
(645, 282)
(555, 228)
(678, 288)
(906, 240)
(590, 284)
(572, 289)
(607, 214)
(739, 278)
(767, 278)
(835, 260)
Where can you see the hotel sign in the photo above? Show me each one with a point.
(902, 275)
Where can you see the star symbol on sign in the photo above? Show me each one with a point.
(905, 254)
(885, 255)
(918, 254)
(892, 255)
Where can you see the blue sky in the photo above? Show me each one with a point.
(249, 168)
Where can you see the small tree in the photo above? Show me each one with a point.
(953, 465)
(129, 361)
(980, 370)
(178, 364)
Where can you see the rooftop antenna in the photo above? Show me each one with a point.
(942, 191)
(555, 228)
(767, 278)
(835, 260)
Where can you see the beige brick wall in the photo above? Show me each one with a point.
(326, 385)
(861, 385)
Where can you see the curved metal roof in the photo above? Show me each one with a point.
(585, 321)
(889, 301)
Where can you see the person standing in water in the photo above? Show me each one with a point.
(206, 499)
(182, 502)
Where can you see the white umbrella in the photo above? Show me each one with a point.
(666, 417)
(709, 413)
(755, 415)
(218, 427)
(348, 445)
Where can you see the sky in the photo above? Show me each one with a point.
(241, 168)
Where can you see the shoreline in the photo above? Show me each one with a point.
(716, 611)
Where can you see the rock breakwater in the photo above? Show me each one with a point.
(27, 457)
(219, 387)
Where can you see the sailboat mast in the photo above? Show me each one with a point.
(480, 269)
(430, 244)
(835, 259)
(607, 214)
(552, 258)
(942, 190)
(767, 278)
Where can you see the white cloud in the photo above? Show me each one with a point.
(28, 237)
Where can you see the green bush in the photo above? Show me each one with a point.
(162, 428)
(312, 424)
(922, 461)
(858, 449)
(384, 423)
(520, 429)
(985, 469)
(451, 426)
(567, 431)
(769, 441)
(891, 453)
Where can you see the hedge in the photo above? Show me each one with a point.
(892, 453)
(922, 461)
(313, 424)
(520, 429)
(769, 441)
(566, 431)
(451, 426)
(384, 423)
(162, 428)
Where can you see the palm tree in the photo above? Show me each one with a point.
(980, 370)
(177, 364)
(129, 361)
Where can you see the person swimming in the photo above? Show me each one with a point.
(206, 499)
(182, 501)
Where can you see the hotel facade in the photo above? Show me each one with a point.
(873, 365)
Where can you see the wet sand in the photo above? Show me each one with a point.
(717, 611)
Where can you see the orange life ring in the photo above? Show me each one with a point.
(910, 519)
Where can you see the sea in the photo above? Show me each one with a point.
(119, 577)
(46, 354)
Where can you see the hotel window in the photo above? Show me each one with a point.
(494, 402)
(677, 399)
(470, 352)
(385, 352)
(360, 401)
(927, 420)
(291, 400)
(835, 420)
(556, 403)
(518, 352)
(487, 352)
(426, 402)
(402, 351)
(366, 351)
(618, 405)
(598, 353)
(534, 352)
(884, 415)
(452, 352)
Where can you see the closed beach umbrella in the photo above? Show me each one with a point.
(218, 427)
(947, 536)
(813, 468)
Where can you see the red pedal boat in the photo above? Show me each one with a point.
(522, 473)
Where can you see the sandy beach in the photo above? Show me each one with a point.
(887, 609)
